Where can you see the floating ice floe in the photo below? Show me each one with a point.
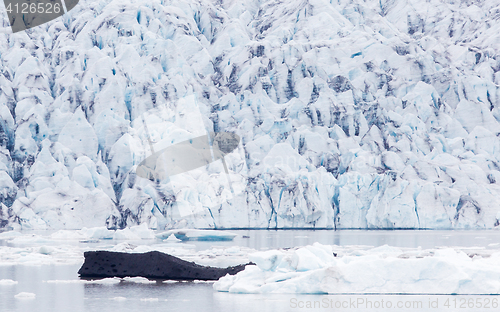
(172, 239)
(30, 239)
(41, 255)
(384, 270)
(67, 281)
(138, 280)
(25, 296)
(68, 246)
(103, 281)
(198, 235)
(46, 250)
(118, 298)
(203, 282)
(137, 232)
(7, 282)
(10, 234)
(95, 234)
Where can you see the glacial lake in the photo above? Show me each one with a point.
(200, 297)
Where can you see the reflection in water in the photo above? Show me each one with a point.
(49, 297)
(272, 239)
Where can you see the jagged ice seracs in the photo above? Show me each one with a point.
(351, 114)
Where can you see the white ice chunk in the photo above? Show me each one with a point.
(266, 260)
(118, 298)
(7, 282)
(445, 271)
(142, 231)
(126, 234)
(25, 296)
(138, 280)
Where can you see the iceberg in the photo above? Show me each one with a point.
(138, 267)
(197, 235)
(384, 270)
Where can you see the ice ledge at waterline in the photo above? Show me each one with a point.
(317, 269)
(351, 114)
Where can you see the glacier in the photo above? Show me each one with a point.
(351, 114)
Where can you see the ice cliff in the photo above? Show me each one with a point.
(352, 114)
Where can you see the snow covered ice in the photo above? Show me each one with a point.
(382, 270)
(352, 114)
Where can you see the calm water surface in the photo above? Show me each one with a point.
(200, 297)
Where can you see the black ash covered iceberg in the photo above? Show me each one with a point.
(153, 264)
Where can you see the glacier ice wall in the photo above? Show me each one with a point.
(352, 114)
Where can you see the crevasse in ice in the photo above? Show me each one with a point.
(352, 114)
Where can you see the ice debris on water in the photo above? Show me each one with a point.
(25, 296)
(8, 282)
(383, 270)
